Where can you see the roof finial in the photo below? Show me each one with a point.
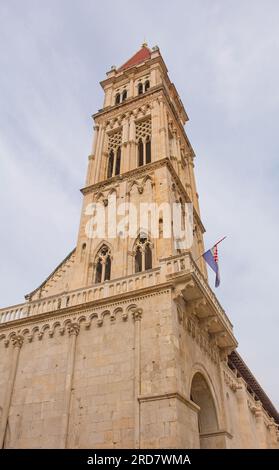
(144, 44)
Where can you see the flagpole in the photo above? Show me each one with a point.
(220, 241)
(215, 244)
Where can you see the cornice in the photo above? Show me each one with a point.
(112, 301)
(128, 105)
(169, 396)
(142, 171)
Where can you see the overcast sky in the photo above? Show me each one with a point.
(223, 58)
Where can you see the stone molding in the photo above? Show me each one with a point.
(168, 396)
(71, 324)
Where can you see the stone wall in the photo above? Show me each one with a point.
(120, 375)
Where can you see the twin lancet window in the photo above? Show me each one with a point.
(142, 88)
(118, 97)
(143, 139)
(143, 142)
(143, 255)
(114, 156)
(142, 258)
(103, 265)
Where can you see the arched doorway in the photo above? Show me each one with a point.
(207, 416)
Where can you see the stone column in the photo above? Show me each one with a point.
(166, 126)
(95, 138)
(132, 144)
(193, 184)
(260, 426)
(137, 314)
(155, 138)
(243, 414)
(98, 154)
(163, 131)
(73, 330)
(17, 341)
(273, 434)
(125, 147)
(131, 88)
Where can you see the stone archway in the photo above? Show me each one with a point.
(207, 416)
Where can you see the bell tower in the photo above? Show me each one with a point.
(141, 154)
(125, 345)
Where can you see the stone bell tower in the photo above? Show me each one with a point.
(125, 344)
(140, 153)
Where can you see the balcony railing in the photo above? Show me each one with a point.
(167, 268)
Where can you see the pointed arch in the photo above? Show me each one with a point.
(142, 253)
(140, 152)
(147, 150)
(140, 88)
(110, 164)
(118, 162)
(124, 95)
(147, 85)
(102, 264)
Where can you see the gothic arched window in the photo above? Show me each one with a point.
(140, 152)
(140, 88)
(143, 139)
(110, 164)
(103, 265)
(124, 95)
(147, 150)
(146, 85)
(118, 161)
(143, 254)
(138, 260)
(117, 98)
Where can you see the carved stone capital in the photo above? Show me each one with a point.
(73, 329)
(198, 305)
(205, 322)
(17, 341)
(137, 314)
(224, 353)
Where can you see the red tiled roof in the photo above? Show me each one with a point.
(143, 54)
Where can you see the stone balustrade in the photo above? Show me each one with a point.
(168, 266)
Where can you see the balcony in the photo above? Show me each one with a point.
(180, 272)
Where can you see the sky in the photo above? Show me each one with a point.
(223, 57)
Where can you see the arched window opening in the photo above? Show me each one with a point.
(161, 229)
(110, 164)
(124, 95)
(118, 161)
(148, 257)
(107, 269)
(146, 85)
(138, 260)
(143, 140)
(98, 275)
(143, 254)
(140, 88)
(103, 265)
(117, 98)
(140, 152)
(83, 249)
(183, 214)
(207, 417)
(148, 150)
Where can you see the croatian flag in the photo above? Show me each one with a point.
(211, 257)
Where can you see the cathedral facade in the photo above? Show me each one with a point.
(125, 345)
